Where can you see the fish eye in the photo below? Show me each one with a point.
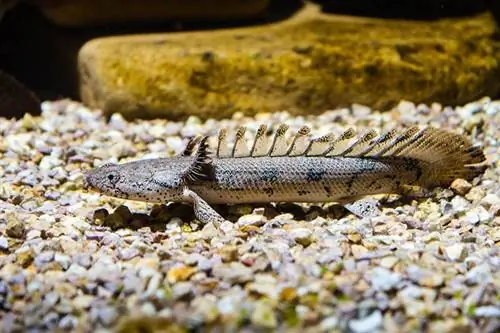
(113, 177)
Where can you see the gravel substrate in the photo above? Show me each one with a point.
(76, 260)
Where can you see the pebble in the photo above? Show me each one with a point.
(487, 311)
(254, 220)
(15, 227)
(302, 236)
(182, 289)
(383, 279)
(477, 215)
(4, 243)
(263, 315)
(107, 315)
(456, 252)
(371, 323)
(461, 186)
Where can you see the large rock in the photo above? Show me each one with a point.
(306, 64)
(78, 13)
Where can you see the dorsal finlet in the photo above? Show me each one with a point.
(222, 150)
(279, 146)
(240, 148)
(258, 146)
(298, 147)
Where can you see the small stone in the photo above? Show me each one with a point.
(226, 227)
(206, 308)
(129, 253)
(210, 231)
(389, 262)
(488, 311)
(354, 237)
(4, 243)
(491, 200)
(107, 315)
(15, 227)
(182, 289)
(424, 277)
(234, 272)
(371, 323)
(68, 322)
(302, 236)
(477, 215)
(461, 186)
(358, 250)
(328, 324)
(459, 204)
(229, 253)
(475, 194)
(63, 260)
(254, 220)
(148, 309)
(479, 274)
(456, 252)
(263, 315)
(205, 264)
(182, 273)
(383, 279)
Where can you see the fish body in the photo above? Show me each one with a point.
(297, 168)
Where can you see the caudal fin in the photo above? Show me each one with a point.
(443, 156)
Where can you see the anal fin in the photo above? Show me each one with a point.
(364, 207)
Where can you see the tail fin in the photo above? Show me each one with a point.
(443, 156)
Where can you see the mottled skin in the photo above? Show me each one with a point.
(253, 180)
(202, 181)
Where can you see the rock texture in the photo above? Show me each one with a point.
(310, 62)
(78, 13)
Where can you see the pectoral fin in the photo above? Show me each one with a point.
(202, 210)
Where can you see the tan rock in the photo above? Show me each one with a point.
(78, 13)
(306, 64)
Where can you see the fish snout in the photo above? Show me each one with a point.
(87, 183)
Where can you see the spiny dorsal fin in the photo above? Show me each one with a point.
(279, 146)
(222, 147)
(240, 148)
(198, 170)
(259, 144)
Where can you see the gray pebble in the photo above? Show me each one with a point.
(4, 243)
(182, 289)
(371, 323)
